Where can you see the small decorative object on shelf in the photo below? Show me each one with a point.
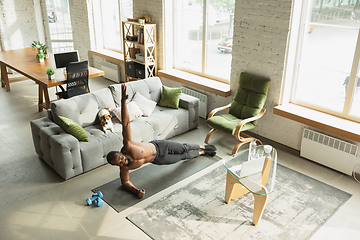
(132, 19)
(50, 72)
(141, 21)
(131, 37)
(141, 36)
(41, 57)
(146, 17)
(134, 51)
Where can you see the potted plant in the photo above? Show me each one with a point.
(44, 48)
(41, 57)
(40, 48)
(50, 72)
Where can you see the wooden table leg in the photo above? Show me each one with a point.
(233, 189)
(4, 77)
(259, 205)
(40, 98)
(47, 98)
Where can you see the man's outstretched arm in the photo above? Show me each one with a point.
(125, 119)
(124, 176)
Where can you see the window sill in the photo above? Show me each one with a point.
(205, 84)
(329, 123)
(109, 55)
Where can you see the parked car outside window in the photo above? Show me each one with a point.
(52, 17)
(226, 45)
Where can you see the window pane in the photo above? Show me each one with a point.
(220, 19)
(59, 20)
(126, 9)
(326, 56)
(58, 16)
(355, 103)
(111, 24)
(188, 22)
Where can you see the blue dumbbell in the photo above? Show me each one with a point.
(97, 198)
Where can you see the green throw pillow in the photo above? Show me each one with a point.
(73, 128)
(170, 97)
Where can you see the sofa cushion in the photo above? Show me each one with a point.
(73, 128)
(149, 88)
(104, 98)
(133, 110)
(83, 109)
(146, 105)
(170, 97)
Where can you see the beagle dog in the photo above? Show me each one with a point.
(105, 120)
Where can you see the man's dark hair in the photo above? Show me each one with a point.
(111, 156)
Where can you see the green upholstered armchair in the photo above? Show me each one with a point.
(244, 110)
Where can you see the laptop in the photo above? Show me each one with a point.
(63, 58)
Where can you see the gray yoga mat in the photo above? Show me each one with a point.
(153, 178)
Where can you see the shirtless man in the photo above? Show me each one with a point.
(134, 154)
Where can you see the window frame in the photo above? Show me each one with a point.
(170, 42)
(290, 78)
(49, 40)
(99, 30)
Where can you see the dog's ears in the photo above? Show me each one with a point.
(110, 116)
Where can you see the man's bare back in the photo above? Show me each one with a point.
(134, 154)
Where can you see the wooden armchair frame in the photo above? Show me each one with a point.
(237, 134)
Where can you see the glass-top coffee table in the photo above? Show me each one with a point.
(255, 174)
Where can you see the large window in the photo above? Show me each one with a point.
(108, 16)
(58, 26)
(326, 66)
(203, 34)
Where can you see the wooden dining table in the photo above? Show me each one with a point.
(24, 61)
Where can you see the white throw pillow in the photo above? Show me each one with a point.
(133, 109)
(147, 106)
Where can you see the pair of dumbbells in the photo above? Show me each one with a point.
(97, 198)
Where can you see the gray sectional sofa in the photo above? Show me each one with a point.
(70, 157)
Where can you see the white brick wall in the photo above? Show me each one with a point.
(154, 9)
(17, 24)
(80, 12)
(260, 35)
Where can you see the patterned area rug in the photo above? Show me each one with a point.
(298, 206)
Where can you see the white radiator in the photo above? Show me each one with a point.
(111, 70)
(201, 97)
(328, 151)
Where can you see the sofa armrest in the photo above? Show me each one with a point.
(65, 155)
(58, 149)
(192, 104)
